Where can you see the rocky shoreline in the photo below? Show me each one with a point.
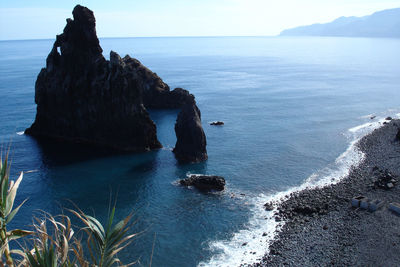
(322, 229)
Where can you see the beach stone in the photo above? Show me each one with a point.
(384, 179)
(205, 182)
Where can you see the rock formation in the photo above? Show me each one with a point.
(191, 140)
(204, 182)
(217, 123)
(82, 97)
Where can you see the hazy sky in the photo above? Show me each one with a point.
(35, 19)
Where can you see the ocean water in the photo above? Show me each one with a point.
(292, 108)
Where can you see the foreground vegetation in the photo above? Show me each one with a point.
(54, 241)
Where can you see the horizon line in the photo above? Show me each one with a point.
(166, 36)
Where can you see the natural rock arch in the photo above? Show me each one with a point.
(82, 97)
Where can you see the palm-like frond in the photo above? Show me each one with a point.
(104, 243)
(8, 192)
(51, 248)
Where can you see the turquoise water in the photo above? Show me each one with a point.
(287, 104)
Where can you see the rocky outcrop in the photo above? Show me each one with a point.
(82, 97)
(191, 140)
(217, 123)
(204, 182)
(398, 135)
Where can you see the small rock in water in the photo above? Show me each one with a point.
(205, 182)
(244, 244)
(388, 118)
(373, 117)
(217, 123)
(268, 206)
(264, 234)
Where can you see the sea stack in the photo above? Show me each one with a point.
(191, 141)
(83, 98)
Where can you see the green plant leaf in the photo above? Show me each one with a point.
(11, 194)
(14, 212)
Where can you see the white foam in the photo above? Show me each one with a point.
(21, 133)
(232, 252)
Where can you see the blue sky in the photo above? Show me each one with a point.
(37, 19)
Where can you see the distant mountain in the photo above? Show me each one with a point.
(384, 23)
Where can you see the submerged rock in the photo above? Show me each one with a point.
(82, 97)
(191, 141)
(204, 182)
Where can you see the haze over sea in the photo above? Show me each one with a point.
(288, 104)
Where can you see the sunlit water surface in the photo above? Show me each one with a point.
(287, 104)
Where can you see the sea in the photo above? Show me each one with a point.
(293, 108)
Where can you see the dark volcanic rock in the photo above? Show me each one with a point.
(205, 182)
(269, 206)
(217, 123)
(384, 179)
(81, 97)
(158, 97)
(191, 140)
(398, 135)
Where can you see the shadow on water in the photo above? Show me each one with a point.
(58, 153)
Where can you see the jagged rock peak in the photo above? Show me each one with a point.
(78, 44)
